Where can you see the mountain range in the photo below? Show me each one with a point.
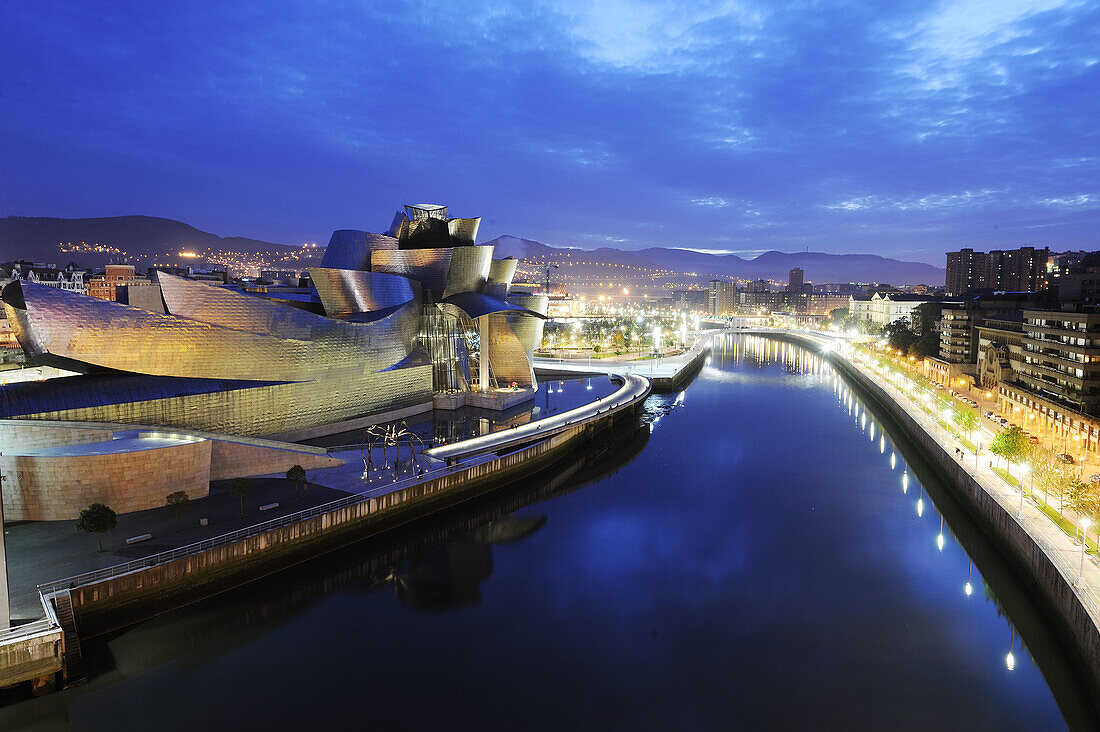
(817, 266)
(54, 240)
(146, 238)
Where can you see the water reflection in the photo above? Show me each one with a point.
(1056, 662)
(759, 565)
(443, 426)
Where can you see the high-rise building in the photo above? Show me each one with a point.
(795, 280)
(1014, 270)
(721, 297)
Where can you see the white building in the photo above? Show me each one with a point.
(883, 308)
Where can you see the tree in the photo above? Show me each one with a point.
(97, 519)
(1011, 445)
(899, 335)
(297, 475)
(966, 419)
(178, 502)
(924, 319)
(240, 487)
(1084, 499)
(1057, 477)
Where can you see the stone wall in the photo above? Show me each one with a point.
(32, 657)
(1039, 574)
(237, 459)
(57, 487)
(112, 603)
(19, 435)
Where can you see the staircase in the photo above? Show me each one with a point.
(73, 666)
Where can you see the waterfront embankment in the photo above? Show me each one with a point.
(113, 597)
(665, 373)
(1050, 564)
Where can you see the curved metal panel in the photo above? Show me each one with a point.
(227, 308)
(351, 249)
(503, 270)
(476, 304)
(345, 291)
(528, 329)
(395, 225)
(507, 356)
(426, 266)
(469, 269)
(463, 231)
(253, 339)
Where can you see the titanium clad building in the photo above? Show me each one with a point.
(402, 321)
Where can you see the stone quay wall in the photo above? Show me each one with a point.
(1038, 574)
(31, 657)
(115, 602)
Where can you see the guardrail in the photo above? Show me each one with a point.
(198, 547)
(634, 389)
(136, 565)
(45, 625)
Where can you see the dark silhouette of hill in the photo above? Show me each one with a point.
(38, 238)
(819, 267)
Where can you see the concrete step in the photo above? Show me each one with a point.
(73, 667)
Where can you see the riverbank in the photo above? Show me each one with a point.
(103, 600)
(1050, 565)
(665, 374)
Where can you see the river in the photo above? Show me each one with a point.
(758, 554)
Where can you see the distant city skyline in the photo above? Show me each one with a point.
(729, 128)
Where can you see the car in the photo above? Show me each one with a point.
(990, 415)
(1003, 420)
(1033, 439)
(1065, 457)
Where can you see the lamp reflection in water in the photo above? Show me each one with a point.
(920, 503)
(905, 482)
(1010, 660)
(968, 589)
(939, 537)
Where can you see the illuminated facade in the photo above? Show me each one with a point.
(395, 323)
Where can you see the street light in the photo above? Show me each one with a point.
(1084, 545)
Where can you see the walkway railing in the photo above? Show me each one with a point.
(26, 630)
(198, 547)
(499, 440)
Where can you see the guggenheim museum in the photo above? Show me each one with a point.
(396, 322)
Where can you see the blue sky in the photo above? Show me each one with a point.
(906, 129)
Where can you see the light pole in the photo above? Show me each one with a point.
(1084, 546)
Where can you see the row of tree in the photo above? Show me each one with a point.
(1049, 472)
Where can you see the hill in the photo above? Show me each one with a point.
(818, 266)
(93, 241)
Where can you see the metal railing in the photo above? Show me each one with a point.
(198, 547)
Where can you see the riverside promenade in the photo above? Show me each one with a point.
(111, 597)
(665, 373)
(1059, 568)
